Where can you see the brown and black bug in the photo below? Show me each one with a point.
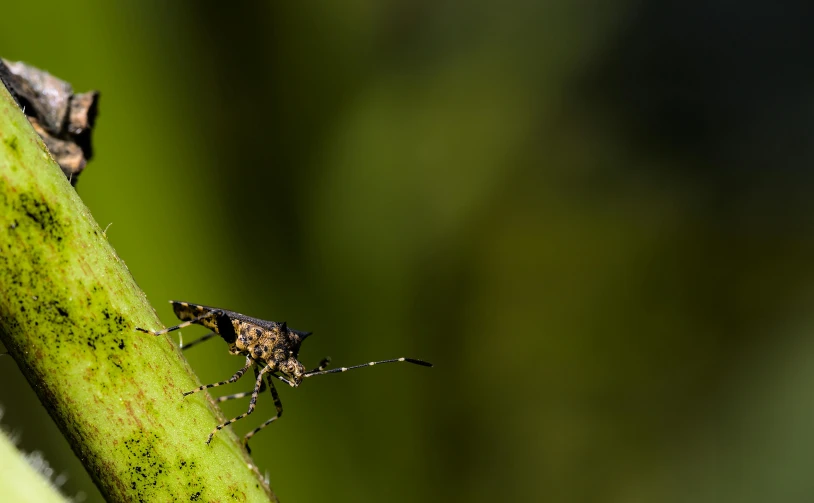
(271, 348)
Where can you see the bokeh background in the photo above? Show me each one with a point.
(594, 217)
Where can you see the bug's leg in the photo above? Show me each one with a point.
(204, 316)
(369, 364)
(238, 375)
(283, 379)
(245, 393)
(277, 403)
(235, 396)
(198, 341)
(322, 365)
(252, 403)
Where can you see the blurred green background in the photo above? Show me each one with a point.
(595, 218)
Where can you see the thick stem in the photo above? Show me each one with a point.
(68, 308)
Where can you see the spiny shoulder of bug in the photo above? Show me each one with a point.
(274, 345)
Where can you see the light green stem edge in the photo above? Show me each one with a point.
(19, 481)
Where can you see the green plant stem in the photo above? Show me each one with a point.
(68, 308)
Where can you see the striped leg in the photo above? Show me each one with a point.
(322, 365)
(245, 393)
(239, 395)
(198, 341)
(252, 403)
(283, 379)
(238, 375)
(277, 403)
(318, 372)
(185, 324)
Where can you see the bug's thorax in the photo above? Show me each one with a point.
(258, 342)
(276, 346)
(271, 345)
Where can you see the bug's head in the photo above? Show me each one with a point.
(293, 369)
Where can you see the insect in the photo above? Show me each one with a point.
(271, 349)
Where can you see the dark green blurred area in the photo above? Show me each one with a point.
(594, 219)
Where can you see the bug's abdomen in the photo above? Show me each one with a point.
(219, 321)
(186, 311)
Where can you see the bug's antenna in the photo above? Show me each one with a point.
(322, 365)
(370, 364)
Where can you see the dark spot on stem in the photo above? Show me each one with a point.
(12, 144)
